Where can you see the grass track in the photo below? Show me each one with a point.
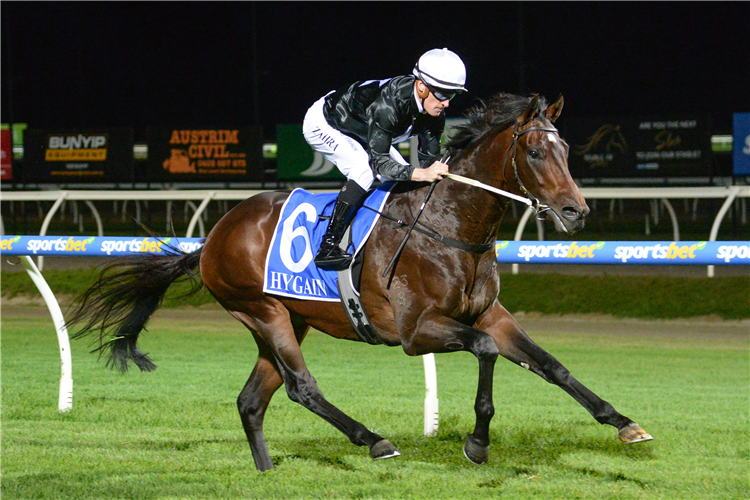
(175, 433)
(649, 297)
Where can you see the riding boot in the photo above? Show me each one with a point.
(330, 256)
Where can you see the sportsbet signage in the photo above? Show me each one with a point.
(624, 252)
(733, 253)
(95, 246)
(296, 160)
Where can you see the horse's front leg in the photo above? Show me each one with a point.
(435, 333)
(514, 344)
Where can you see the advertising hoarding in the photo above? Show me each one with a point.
(18, 129)
(633, 147)
(296, 160)
(741, 143)
(205, 154)
(730, 253)
(78, 156)
(6, 161)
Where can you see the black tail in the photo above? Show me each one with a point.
(129, 290)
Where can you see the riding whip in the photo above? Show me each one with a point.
(411, 228)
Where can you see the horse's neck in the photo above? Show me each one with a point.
(469, 212)
(456, 210)
(460, 211)
(464, 212)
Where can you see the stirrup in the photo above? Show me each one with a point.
(335, 260)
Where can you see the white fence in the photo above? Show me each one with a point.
(657, 194)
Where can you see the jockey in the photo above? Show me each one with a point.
(356, 126)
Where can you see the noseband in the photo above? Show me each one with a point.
(540, 208)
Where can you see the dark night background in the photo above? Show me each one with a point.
(135, 64)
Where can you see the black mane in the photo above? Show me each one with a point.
(501, 111)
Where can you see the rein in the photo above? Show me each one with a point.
(476, 183)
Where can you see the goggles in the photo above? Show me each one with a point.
(442, 95)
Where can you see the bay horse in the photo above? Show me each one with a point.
(438, 298)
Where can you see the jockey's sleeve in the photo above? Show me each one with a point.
(382, 122)
(429, 144)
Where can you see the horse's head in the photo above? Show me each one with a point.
(538, 167)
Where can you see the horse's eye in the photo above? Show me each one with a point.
(534, 153)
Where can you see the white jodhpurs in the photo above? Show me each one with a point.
(347, 154)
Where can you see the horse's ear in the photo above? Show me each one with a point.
(531, 111)
(553, 111)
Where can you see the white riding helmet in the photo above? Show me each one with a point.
(442, 69)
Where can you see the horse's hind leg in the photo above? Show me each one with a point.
(282, 341)
(515, 345)
(253, 402)
(257, 393)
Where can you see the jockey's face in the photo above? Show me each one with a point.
(431, 104)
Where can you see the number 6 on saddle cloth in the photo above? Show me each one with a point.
(290, 270)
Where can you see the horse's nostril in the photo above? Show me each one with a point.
(571, 213)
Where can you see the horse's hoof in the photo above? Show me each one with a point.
(475, 452)
(633, 434)
(383, 449)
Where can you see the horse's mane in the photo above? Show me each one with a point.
(501, 111)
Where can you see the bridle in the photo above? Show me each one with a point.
(540, 208)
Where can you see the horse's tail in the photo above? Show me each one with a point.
(129, 290)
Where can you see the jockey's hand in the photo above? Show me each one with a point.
(430, 174)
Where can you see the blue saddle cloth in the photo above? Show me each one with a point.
(290, 270)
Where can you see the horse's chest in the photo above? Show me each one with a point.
(462, 292)
(484, 289)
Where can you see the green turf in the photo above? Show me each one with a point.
(621, 296)
(175, 433)
(628, 296)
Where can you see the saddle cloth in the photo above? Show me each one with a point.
(290, 270)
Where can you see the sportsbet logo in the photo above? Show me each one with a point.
(7, 243)
(190, 247)
(135, 245)
(658, 251)
(501, 245)
(559, 251)
(59, 245)
(729, 252)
